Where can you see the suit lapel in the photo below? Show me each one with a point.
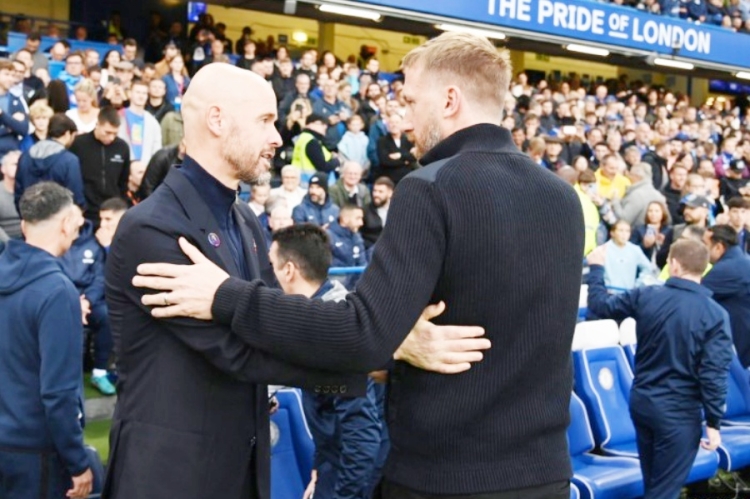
(214, 244)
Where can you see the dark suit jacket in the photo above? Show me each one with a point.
(192, 413)
(395, 169)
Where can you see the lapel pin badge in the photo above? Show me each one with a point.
(214, 240)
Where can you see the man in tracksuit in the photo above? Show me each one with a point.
(729, 280)
(84, 266)
(41, 439)
(347, 245)
(347, 431)
(681, 365)
(316, 208)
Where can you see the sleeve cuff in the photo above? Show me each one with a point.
(225, 300)
(714, 423)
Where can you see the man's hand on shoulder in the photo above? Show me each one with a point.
(186, 290)
(598, 256)
(442, 349)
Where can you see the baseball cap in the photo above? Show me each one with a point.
(737, 165)
(696, 201)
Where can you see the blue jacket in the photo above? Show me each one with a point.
(173, 91)
(377, 130)
(729, 279)
(40, 356)
(684, 344)
(347, 247)
(346, 432)
(309, 212)
(12, 130)
(84, 265)
(50, 160)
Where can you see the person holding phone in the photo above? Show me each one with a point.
(651, 235)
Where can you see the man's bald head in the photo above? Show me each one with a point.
(229, 116)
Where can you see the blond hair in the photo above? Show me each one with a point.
(40, 109)
(88, 87)
(484, 70)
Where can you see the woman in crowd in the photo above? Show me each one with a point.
(57, 96)
(176, 81)
(625, 264)
(651, 234)
(85, 116)
(39, 115)
(395, 152)
(111, 59)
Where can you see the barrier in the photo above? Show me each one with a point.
(17, 41)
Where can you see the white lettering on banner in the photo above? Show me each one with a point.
(622, 26)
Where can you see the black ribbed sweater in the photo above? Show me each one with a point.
(500, 240)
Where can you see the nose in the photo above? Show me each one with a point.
(276, 138)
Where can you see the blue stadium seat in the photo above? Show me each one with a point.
(738, 396)
(628, 340)
(734, 451)
(598, 476)
(603, 380)
(292, 448)
(574, 492)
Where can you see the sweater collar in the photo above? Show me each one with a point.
(484, 137)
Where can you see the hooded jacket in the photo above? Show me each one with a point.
(347, 247)
(84, 265)
(309, 212)
(40, 357)
(50, 160)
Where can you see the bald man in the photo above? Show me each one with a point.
(191, 420)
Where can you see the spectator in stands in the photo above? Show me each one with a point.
(14, 119)
(376, 213)
(673, 191)
(91, 58)
(157, 105)
(638, 195)
(553, 159)
(625, 265)
(658, 161)
(248, 56)
(346, 431)
(591, 217)
(217, 53)
(33, 86)
(125, 71)
(290, 189)
(135, 179)
(653, 232)
(729, 281)
(732, 184)
(310, 154)
(334, 112)
(368, 108)
(139, 129)
(57, 97)
(72, 75)
(282, 81)
(130, 54)
(87, 111)
(159, 166)
(737, 209)
(632, 156)
(83, 264)
(39, 116)
(728, 149)
(111, 60)
(681, 365)
(279, 217)
(41, 363)
(378, 129)
(33, 41)
(396, 153)
(105, 162)
(10, 222)
(260, 193)
(349, 190)
(59, 51)
(610, 182)
(695, 212)
(316, 207)
(110, 214)
(176, 80)
(307, 66)
(347, 245)
(170, 51)
(353, 145)
(536, 149)
(148, 73)
(301, 92)
(50, 160)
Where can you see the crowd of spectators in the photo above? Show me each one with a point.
(649, 166)
(729, 14)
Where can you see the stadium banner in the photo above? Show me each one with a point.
(600, 23)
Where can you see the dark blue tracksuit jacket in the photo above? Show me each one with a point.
(309, 212)
(11, 129)
(84, 265)
(50, 160)
(347, 433)
(40, 357)
(729, 280)
(684, 344)
(347, 247)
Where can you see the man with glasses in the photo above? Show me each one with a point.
(72, 75)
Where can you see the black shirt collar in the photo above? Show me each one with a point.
(481, 137)
(216, 195)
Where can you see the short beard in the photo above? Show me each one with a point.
(236, 155)
(429, 139)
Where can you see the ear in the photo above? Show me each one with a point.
(215, 120)
(453, 101)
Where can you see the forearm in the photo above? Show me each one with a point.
(604, 305)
